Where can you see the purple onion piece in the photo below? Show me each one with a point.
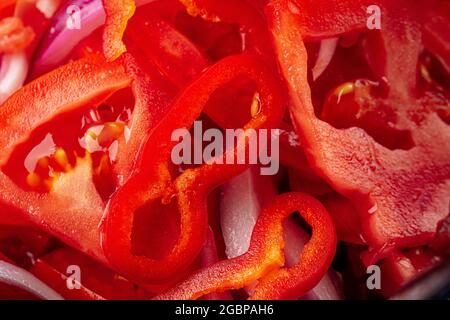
(66, 32)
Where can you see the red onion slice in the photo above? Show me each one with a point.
(22, 279)
(13, 72)
(326, 53)
(62, 36)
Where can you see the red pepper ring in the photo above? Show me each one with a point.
(265, 258)
(153, 181)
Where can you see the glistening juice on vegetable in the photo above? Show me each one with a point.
(224, 150)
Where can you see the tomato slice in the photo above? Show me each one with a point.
(401, 195)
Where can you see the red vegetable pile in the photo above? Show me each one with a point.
(93, 207)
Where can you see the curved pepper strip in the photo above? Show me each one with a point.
(179, 59)
(393, 212)
(171, 55)
(321, 19)
(176, 57)
(153, 95)
(264, 259)
(118, 12)
(208, 257)
(152, 183)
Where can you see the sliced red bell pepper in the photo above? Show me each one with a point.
(34, 18)
(97, 282)
(181, 61)
(11, 292)
(92, 81)
(401, 195)
(58, 282)
(153, 96)
(208, 257)
(322, 19)
(184, 200)
(236, 11)
(118, 12)
(265, 258)
(7, 8)
(10, 216)
(177, 57)
(77, 223)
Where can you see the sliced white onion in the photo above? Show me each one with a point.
(326, 53)
(22, 279)
(240, 205)
(13, 72)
